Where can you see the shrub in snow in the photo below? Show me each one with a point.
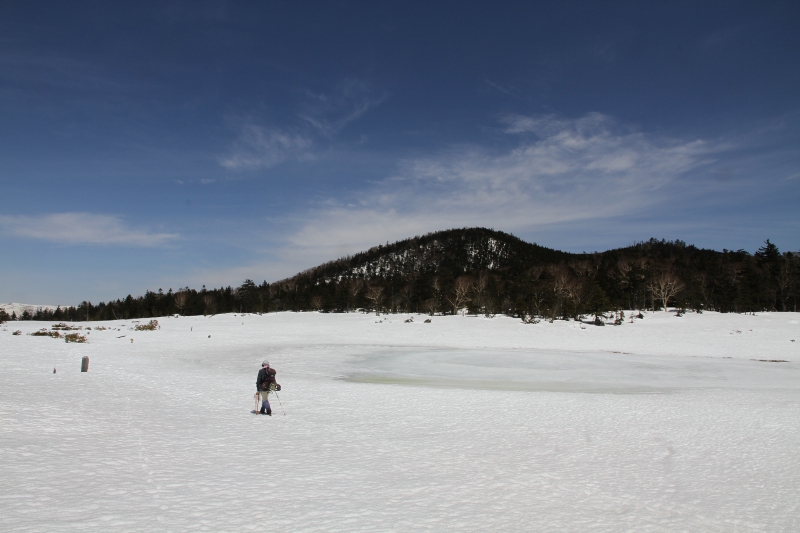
(44, 333)
(18, 332)
(65, 327)
(74, 337)
(150, 326)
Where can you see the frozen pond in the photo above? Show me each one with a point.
(547, 370)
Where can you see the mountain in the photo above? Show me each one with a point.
(444, 253)
(487, 271)
(20, 309)
(479, 270)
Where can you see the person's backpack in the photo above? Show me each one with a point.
(269, 381)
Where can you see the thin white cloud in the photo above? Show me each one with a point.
(81, 228)
(322, 117)
(510, 90)
(329, 113)
(792, 176)
(259, 147)
(571, 171)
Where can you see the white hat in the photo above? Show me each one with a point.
(265, 363)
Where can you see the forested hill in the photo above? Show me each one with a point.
(484, 271)
(447, 254)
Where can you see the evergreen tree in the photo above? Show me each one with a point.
(490, 272)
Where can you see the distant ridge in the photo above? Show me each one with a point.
(449, 252)
(21, 308)
(489, 272)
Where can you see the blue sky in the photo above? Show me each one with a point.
(163, 144)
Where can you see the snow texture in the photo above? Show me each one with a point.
(665, 424)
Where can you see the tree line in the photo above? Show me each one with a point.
(482, 271)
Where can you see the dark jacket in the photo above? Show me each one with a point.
(266, 377)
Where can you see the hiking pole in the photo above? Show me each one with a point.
(280, 402)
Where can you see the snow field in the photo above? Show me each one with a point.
(517, 427)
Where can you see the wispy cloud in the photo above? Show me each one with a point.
(329, 113)
(61, 73)
(81, 228)
(508, 90)
(259, 147)
(322, 117)
(569, 171)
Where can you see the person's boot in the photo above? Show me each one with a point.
(269, 412)
(263, 410)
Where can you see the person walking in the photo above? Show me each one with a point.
(265, 383)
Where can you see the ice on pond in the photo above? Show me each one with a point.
(548, 370)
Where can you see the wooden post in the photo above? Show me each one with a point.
(85, 363)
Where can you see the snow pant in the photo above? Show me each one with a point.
(265, 400)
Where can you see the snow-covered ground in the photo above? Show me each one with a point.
(664, 424)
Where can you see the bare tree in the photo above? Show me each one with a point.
(665, 286)
(537, 298)
(316, 303)
(583, 268)
(784, 282)
(701, 280)
(210, 303)
(535, 273)
(574, 290)
(289, 285)
(436, 285)
(375, 295)
(638, 277)
(479, 290)
(237, 297)
(180, 300)
(537, 291)
(430, 306)
(624, 266)
(460, 295)
(561, 278)
(405, 297)
(621, 274)
(734, 272)
(353, 288)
